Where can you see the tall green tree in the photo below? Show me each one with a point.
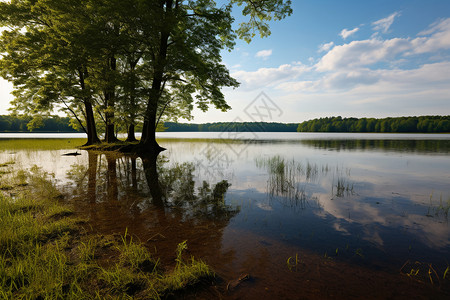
(125, 60)
(45, 57)
(186, 59)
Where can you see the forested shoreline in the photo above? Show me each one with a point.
(62, 124)
(232, 126)
(20, 124)
(422, 124)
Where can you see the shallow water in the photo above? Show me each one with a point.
(305, 215)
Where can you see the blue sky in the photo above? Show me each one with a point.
(349, 58)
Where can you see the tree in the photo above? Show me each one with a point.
(45, 58)
(151, 59)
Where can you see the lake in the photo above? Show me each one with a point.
(295, 215)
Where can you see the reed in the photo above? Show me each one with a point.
(288, 179)
(293, 262)
(343, 188)
(439, 210)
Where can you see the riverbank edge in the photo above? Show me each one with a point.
(45, 252)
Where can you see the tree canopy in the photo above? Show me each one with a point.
(116, 63)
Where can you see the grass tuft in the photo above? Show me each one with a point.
(44, 254)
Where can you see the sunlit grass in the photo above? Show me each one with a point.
(7, 164)
(45, 254)
(12, 145)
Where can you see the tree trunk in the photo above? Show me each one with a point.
(90, 124)
(90, 120)
(131, 136)
(148, 139)
(92, 176)
(151, 174)
(131, 127)
(110, 135)
(111, 179)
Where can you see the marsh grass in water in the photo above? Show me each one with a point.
(438, 210)
(425, 273)
(45, 253)
(11, 145)
(342, 188)
(294, 263)
(289, 179)
(285, 177)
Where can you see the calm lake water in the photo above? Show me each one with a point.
(344, 216)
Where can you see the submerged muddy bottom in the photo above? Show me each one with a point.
(290, 219)
(232, 253)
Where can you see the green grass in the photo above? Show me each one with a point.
(5, 169)
(7, 164)
(12, 145)
(45, 253)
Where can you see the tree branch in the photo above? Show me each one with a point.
(75, 115)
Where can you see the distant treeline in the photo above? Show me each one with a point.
(423, 124)
(232, 126)
(19, 124)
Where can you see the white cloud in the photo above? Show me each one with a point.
(264, 54)
(326, 47)
(269, 76)
(295, 86)
(373, 77)
(440, 25)
(439, 38)
(362, 53)
(434, 76)
(383, 25)
(345, 33)
(365, 77)
(365, 53)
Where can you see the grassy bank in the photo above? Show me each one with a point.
(45, 253)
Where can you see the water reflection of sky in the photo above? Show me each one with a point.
(387, 213)
(384, 209)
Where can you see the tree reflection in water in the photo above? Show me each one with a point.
(157, 201)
